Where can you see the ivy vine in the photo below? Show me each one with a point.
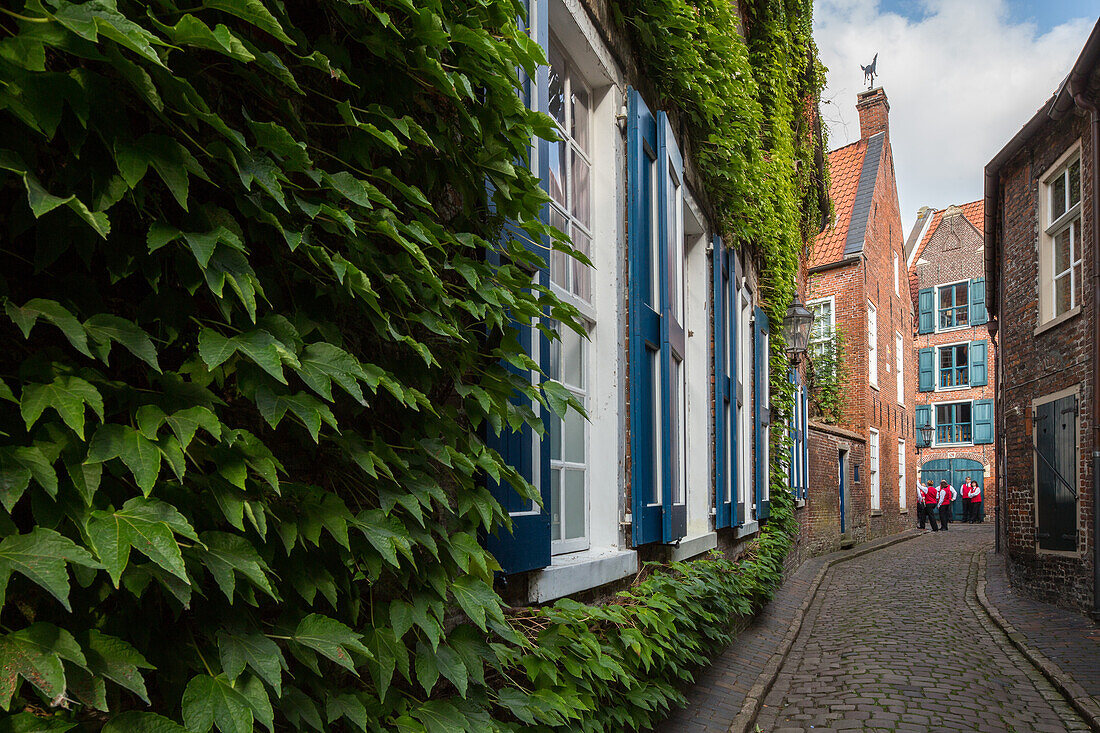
(252, 343)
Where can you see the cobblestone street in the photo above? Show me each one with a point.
(895, 640)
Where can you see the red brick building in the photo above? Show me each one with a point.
(1043, 276)
(955, 353)
(859, 290)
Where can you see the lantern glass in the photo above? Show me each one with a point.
(926, 434)
(796, 329)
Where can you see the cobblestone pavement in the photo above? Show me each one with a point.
(896, 641)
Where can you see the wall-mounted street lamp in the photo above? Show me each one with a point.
(796, 329)
(926, 437)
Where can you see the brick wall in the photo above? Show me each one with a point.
(1037, 364)
(955, 251)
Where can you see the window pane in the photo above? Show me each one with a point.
(675, 422)
(574, 437)
(658, 417)
(557, 85)
(1063, 295)
(555, 436)
(559, 261)
(574, 509)
(581, 194)
(579, 122)
(1075, 182)
(1058, 197)
(556, 166)
(582, 273)
(572, 351)
(555, 504)
(1062, 253)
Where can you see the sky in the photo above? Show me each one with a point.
(962, 77)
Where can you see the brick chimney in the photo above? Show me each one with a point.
(874, 113)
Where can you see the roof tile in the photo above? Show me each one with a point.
(845, 165)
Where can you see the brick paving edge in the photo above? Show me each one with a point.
(1074, 693)
(750, 708)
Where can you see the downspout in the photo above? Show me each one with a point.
(1090, 107)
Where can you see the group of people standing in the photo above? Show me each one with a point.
(933, 500)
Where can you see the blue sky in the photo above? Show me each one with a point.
(962, 77)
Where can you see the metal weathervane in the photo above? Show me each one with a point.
(869, 72)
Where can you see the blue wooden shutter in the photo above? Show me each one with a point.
(805, 442)
(527, 547)
(723, 426)
(670, 167)
(763, 416)
(926, 369)
(923, 417)
(979, 371)
(925, 307)
(737, 390)
(793, 473)
(978, 314)
(645, 324)
(982, 414)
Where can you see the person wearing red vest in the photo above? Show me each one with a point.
(972, 493)
(945, 495)
(930, 496)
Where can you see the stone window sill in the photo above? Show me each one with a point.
(1071, 313)
(746, 529)
(904, 511)
(799, 503)
(876, 512)
(577, 571)
(690, 547)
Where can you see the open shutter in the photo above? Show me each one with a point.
(645, 268)
(978, 314)
(1056, 474)
(982, 413)
(724, 496)
(925, 308)
(923, 417)
(805, 442)
(670, 169)
(926, 370)
(794, 475)
(979, 370)
(763, 413)
(527, 546)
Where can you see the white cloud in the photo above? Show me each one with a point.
(961, 81)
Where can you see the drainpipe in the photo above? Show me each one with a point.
(1090, 107)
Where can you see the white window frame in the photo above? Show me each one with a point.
(902, 503)
(936, 425)
(936, 367)
(828, 331)
(936, 307)
(581, 392)
(899, 348)
(873, 449)
(872, 344)
(1049, 230)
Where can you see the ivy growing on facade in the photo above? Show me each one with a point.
(252, 343)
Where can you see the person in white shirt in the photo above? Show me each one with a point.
(972, 495)
(945, 496)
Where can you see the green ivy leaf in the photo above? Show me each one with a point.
(210, 701)
(53, 312)
(256, 651)
(146, 525)
(256, 694)
(347, 706)
(135, 722)
(114, 659)
(332, 639)
(31, 723)
(476, 598)
(254, 12)
(41, 555)
(140, 454)
(227, 554)
(105, 328)
(35, 654)
(18, 465)
(68, 396)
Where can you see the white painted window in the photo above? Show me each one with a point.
(899, 356)
(821, 332)
(901, 474)
(1061, 255)
(876, 499)
(897, 275)
(569, 446)
(872, 344)
(570, 167)
(953, 305)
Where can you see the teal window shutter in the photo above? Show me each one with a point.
(983, 422)
(725, 492)
(923, 417)
(926, 370)
(978, 314)
(979, 369)
(926, 311)
(645, 324)
(762, 416)
(805, 442)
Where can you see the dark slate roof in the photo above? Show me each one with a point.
(861, 208)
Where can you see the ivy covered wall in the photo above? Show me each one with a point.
(252, 343)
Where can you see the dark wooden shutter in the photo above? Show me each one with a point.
(926, 310)
(1055, 430)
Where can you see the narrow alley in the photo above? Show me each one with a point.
(894, 639)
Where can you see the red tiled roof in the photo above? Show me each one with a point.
(845, 165)
(974, 213)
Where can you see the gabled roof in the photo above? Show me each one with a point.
(974, 213)
(853, 170)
